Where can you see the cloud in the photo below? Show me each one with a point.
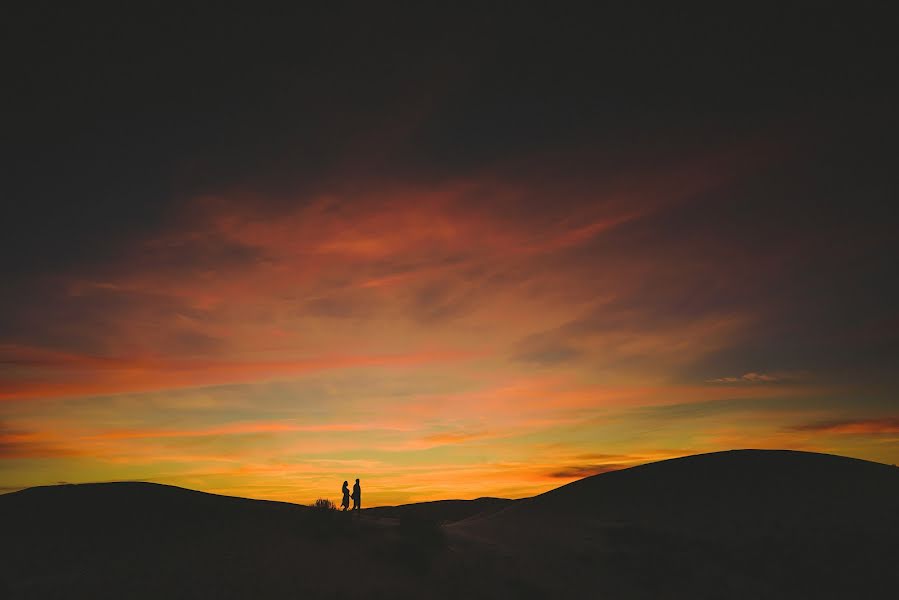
(601, 456)
(546, 350)
(21, 443)
(753, 377)
(249, 428)
(851, 426)
(453, 437)
(581, 471)
(73, 375)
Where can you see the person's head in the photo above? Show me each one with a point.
(357, 480)
(344, 483)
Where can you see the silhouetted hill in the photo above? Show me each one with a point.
(740, 524)
(144, 540)
(442, 511)
(746, 491)
(737, 524)
(127, 498)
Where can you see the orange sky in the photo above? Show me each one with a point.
(491, 335)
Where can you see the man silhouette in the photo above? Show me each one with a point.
(357, 496)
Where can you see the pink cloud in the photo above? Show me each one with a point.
(73, 375)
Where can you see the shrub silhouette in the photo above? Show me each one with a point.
(322, 519)
(323, 504)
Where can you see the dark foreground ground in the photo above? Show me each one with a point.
(740, 524)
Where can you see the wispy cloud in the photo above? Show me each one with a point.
(851, 426)
(16, 443)
(250, 428)
(454, 437)
(73, 375)
(753, 377)
(580, 471)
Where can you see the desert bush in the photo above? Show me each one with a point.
(323, 504)
(323, 521)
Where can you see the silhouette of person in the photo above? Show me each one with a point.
(346, 497)
(357, 496)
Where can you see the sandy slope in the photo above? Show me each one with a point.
(748, 523)
(742, 524)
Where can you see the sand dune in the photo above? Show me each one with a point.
(740, 524)
(443, 511)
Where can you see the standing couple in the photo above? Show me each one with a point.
(357, 496)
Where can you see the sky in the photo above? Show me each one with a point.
(453, 253)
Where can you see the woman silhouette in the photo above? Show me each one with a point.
(346, 497)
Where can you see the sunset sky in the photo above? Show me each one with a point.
(453, 255)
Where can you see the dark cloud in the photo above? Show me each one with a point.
(580, 471)
(599, 456)
(113, 129)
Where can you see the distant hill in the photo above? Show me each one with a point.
(128, 498)
(740, 524)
